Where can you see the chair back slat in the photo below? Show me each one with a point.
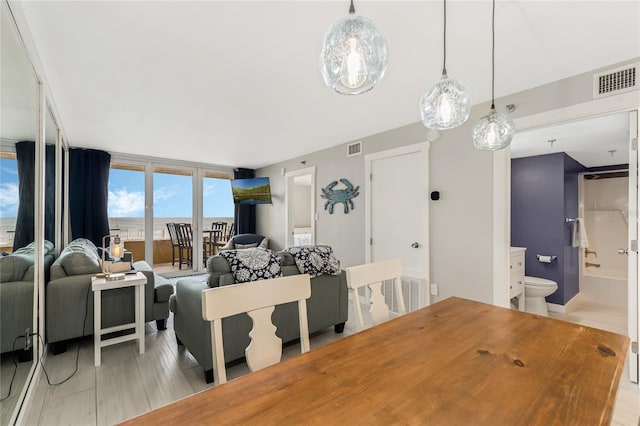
(231, 231)
(258, 299)
(171, 227)
(185, 235)
(372, 275)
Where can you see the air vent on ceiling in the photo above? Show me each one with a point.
(354, 149)
(618, 80)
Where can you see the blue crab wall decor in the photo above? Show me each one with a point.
(335, 196)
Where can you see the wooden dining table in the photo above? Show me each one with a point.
(456, 362)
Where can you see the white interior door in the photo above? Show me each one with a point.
(633, 298)
(397, 214)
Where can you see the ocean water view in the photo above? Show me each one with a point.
(129, 228)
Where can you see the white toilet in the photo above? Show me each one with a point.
(535, 290)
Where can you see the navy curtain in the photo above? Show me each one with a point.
(88, 194)
(245, 215)
(26, 159)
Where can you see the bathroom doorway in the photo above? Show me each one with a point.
(591, 151)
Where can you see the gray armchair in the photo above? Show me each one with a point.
(242, 241)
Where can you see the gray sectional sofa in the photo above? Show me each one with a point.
(327, 307)
(16, 293)
(69, 299)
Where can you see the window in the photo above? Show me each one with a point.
(8, 199)
(173, 195)
(217, 201)
(126, 201)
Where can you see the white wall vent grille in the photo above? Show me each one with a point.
(413, 291)
(354, 149)
(618, 80)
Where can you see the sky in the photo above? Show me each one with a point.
(172, 195)
(9, 187)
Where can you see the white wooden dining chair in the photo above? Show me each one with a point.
(258, 299)
(372, 275)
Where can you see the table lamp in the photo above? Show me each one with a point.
(116, 252)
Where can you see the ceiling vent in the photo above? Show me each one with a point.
(615, 81)
(354, 149)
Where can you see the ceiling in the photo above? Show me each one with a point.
(589, 142)
(238, 83)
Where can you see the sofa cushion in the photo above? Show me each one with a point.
(80, 257)
(14, 266)
(315, 260)
(252, 264)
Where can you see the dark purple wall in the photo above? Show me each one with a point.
(544, 191)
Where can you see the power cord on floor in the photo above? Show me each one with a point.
(40, 360)
(15, 367)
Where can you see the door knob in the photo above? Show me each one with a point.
(623, 251)
(415, 244)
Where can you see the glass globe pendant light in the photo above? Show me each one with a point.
(354, 55)
(446, 104)
(495, 130)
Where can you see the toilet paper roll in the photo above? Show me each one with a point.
(544, 259)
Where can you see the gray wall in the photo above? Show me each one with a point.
(460, 222)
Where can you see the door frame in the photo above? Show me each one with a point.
(368, 160)
(625, 102)
(288, 213)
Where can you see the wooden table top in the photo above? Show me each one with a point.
(456, 362)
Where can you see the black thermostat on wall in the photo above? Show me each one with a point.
(435, 195)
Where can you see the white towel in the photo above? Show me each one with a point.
(579, 234)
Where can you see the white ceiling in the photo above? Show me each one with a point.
(586, 141)
(237, 83)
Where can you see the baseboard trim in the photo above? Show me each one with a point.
(568, 307)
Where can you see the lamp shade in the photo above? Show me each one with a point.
(445, 105)
(354, 55)
(493, 131)
(116, 249)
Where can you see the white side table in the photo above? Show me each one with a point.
(97, 285)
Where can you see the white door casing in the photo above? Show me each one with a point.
(632, 248)
(625, 102)
(397, 214)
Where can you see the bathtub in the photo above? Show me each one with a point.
(607, 286)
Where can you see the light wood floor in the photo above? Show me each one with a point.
(128, 384)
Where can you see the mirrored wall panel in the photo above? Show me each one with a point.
(18, 130)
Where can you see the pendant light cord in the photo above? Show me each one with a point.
(493, 54)
(352, 9)
(444, 56)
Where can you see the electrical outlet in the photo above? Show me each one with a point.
(434, 289)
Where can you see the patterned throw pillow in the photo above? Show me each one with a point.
(315, 260)
(252, 264)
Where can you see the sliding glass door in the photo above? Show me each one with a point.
(126, 206)
(148, 199)
(173, 207)
(217, 212)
